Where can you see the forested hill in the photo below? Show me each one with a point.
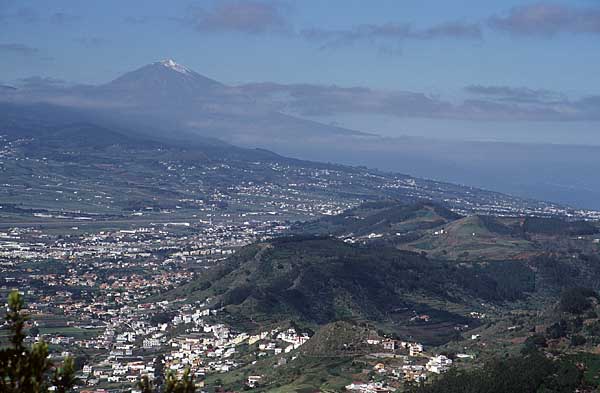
(320, 280)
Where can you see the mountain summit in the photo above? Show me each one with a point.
(162, 77)
(171, 64)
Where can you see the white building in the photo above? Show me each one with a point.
(438, 364)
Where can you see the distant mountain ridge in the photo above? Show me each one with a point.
(168, 95)
(169, 102)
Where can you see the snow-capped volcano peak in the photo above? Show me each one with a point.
(163, 76)
(169, 63)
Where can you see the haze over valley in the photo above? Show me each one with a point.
(169, 100)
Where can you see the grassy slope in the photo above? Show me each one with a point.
(475, 238)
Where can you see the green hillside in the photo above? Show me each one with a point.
(439, 232)
(475, 237)
(321, 280)
(388, 218)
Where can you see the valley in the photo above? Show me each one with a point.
(237, 294)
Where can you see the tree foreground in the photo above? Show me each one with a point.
(28, 369)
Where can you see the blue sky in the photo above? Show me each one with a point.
(432, 47)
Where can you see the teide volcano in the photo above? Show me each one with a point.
(171, 99)
(164, 80)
